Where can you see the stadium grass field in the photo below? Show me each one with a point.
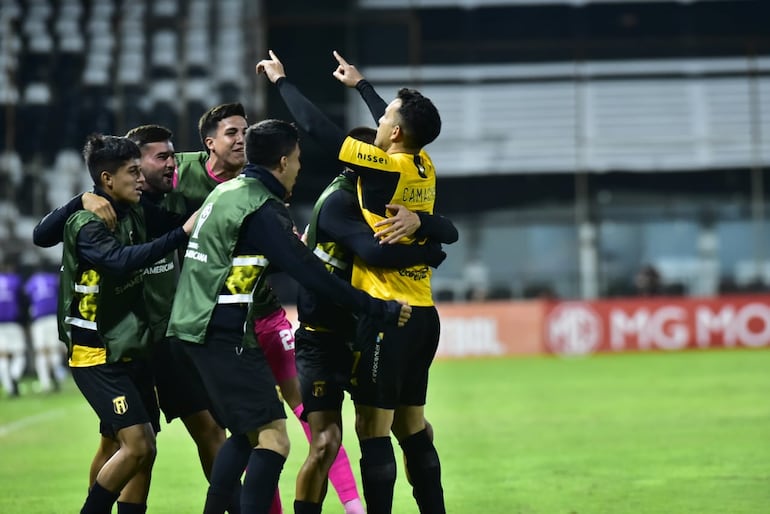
(630, 433)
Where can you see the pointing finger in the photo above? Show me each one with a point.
(340, 59)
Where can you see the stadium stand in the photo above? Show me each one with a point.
(544, 102)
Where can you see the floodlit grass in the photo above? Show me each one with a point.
(632, 433)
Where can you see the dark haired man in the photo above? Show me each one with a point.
(337, 233)
(180, 394)
(103, 319)
(391, 376)
(222, 129)
(244, 226)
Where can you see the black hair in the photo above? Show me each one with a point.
(108, 153)
(268, 141)
(420, 118)
(208, 123)
(365, 134)
(145, 134)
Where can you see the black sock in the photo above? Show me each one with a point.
(302, 507)
(226, 473)
(99, 500)
(234, 506)
(132, 508)
(378, 474)
(425, 472)
(261, 480)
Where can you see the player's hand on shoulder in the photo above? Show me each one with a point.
(272, 68)
(101, 207)
(346, 72)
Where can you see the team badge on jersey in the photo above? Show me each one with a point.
(420, 167)
(319, 388)
(120, 405)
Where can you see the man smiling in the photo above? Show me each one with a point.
(103, 321)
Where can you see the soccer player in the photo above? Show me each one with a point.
(336, 233)
(180, 393)
(42, 289)
(391, 375)
(102, 318)
(222, 130)
(244, 226)
(12, 340)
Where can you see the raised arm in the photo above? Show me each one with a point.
(309, 117)
(351, 77)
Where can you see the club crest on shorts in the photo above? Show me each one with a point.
(319, 388)
(120, 405)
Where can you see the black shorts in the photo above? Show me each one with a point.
(180, 389)
(393, 366)
(121, 394)
(238, 381)
(324, 365)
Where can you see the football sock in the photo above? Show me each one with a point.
(99, 500)
(234, 505)
(378, 474)
(302, 507)
(424, 468)
(132, 508)
(354, 507)
(342, 479)
(340, 474)
(261, 480)
(226, 473)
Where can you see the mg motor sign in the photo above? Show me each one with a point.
(501, 328)
(657, 324)
(573, 328)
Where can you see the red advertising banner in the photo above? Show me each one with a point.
(490, 328)
(501, 328)
(657, 324)
(484, 329)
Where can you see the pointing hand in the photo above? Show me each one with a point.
(272, 67)
(346, 72)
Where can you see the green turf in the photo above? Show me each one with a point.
(632, 433)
